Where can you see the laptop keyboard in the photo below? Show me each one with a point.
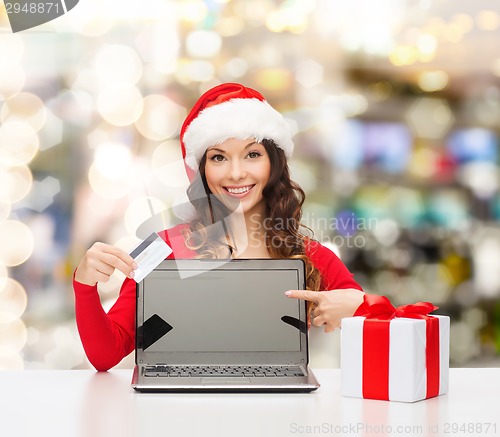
(226, 371)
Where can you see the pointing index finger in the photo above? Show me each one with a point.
(311, 296)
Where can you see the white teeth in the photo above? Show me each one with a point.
(238, 190)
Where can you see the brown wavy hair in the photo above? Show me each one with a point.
(285, 235)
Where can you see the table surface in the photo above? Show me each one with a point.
(85, 403)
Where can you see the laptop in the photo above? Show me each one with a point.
(222, 325)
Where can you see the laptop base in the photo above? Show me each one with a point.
(303, 384)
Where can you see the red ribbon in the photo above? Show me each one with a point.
(378, 311)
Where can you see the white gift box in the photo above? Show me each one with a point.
(407, 370)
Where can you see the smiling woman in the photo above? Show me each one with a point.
(236, 149)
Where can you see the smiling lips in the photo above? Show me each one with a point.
(239, 191)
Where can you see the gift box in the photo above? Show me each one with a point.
(396, 354)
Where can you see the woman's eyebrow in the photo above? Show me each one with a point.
(223, 151)
(216, 149)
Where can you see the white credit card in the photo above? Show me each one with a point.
(148, 254)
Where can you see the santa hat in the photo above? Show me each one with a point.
(230, 110)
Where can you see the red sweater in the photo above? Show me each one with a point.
(108, 338)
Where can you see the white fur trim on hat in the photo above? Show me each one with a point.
(236, 118)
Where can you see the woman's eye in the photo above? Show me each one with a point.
(217, 158)
(254, 155)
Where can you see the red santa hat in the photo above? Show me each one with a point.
(230, 110)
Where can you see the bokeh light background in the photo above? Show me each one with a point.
(395, 106)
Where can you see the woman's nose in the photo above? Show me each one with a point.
(237, 170)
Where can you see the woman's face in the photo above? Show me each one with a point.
(236, 172)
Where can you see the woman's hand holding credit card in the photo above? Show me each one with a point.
(101, 260)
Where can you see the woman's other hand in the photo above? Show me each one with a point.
(100, 261)
(330, 307)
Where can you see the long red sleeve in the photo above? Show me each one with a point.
(106, 338)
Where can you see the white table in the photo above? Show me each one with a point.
(85, 403)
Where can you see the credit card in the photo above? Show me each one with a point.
(148, 254)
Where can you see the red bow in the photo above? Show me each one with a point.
(379, 307)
